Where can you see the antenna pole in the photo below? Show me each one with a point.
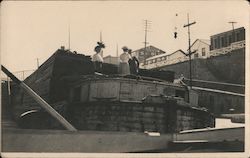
(69, 35)
(233, 22)
(101, 42)
(147, 23)
(37, 62)
(100, 36)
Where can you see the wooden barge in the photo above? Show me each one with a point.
(108, 101)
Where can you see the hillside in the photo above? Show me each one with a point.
(229, 68)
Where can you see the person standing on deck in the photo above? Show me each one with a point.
(133, 63)
(124, 66)
(97, 58)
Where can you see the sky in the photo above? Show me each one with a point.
(36, 29)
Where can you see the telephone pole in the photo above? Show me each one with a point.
(189, 49)
(146, 26)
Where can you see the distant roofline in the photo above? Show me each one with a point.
(148, 47)
(201, 41)
(176, 52)
(227, 31)
(164, 54)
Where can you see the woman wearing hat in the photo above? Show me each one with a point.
(97, 58)
(124, 58)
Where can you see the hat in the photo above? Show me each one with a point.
(124, 48)
(100, 44)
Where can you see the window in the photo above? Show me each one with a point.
(196, 55)
(238, 37)
(215, 43)
(229, 39)
(212, 44)
(222, 42)
(218, 42)
(203, 51)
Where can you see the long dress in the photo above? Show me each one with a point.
(97, 61)
(124, 66)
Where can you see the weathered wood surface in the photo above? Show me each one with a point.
(118, 89)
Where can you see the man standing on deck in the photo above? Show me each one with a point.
(133, 63)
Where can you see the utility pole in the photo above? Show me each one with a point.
(233, 22)
(146, 26)
(189, 49)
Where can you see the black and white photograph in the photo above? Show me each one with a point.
(132, 78)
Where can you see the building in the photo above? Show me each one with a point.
(225, 42)
(150, 51)
(165, 59)
(111, 60)
(202, 48)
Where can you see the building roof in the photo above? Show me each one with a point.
(150, 48)
(240, 28)
(164, 54)
(205, 41)
(179, 50)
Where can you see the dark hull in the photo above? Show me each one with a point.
(127, 117)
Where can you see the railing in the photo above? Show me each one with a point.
(225, 50)
(163, 63)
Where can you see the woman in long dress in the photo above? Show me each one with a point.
(124, 58)
(97, 58)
